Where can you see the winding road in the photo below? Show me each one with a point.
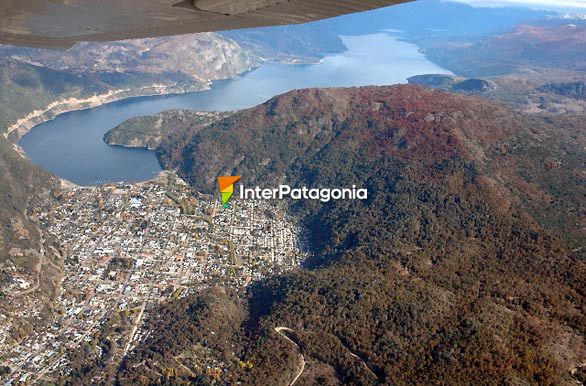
(281, 331)
(358, 357)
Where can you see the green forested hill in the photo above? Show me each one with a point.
(21, 182)
(148, 131)
(448, 274)
(26, 249)
(25, 88)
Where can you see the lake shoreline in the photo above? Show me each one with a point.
(75, 149)
(24, 125)
(65, 184)
(64, 106)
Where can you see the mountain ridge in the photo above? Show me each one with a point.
(444, 263)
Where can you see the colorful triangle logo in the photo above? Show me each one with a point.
(226, 185)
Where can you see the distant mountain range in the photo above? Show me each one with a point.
(306, 43)
(529, 95)
(523, 50)
(196, 56)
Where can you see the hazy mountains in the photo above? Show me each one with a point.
(525, 49)
(38, 80)
(290, 44)
(198, 56)
(529, 95)
(536, 67)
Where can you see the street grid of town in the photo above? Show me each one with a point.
(129, 247)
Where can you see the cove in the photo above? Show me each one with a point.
(71, 145)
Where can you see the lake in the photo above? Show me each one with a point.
(71, 146)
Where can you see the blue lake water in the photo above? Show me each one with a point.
(71, 145)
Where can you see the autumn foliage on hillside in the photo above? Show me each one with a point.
(456, 270)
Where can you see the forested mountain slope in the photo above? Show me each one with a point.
(462, 267)
(29, 260)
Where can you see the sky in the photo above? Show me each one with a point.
(547, 4)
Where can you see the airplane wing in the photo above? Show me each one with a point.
(61, 23)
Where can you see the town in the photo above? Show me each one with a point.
(129, 247)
